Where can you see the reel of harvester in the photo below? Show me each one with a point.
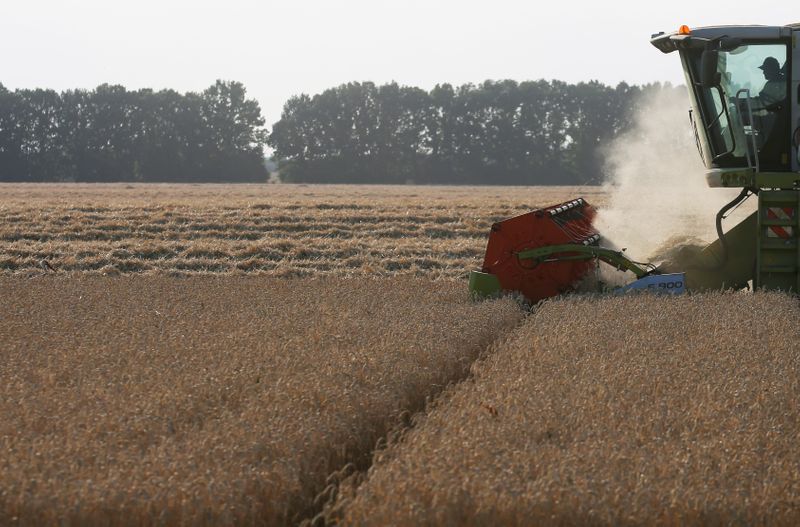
(551, 251)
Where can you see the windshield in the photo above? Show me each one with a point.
(746, 112)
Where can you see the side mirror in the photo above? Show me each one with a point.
(709, 77)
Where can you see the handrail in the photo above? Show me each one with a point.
(753, 164)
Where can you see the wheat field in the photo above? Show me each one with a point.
(610, 411)
(223, 400)
(287, 354)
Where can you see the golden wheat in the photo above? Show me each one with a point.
(204, 387)
(613, 411)
(277, 230)
(213, 400)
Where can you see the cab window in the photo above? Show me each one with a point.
(748, 106)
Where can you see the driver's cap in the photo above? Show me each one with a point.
(770, 63)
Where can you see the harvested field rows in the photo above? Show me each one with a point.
(279, 230)
(206, 400)
(611, 411)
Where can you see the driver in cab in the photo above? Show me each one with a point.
(768, 107)
(771, 97)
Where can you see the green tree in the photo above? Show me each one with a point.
(13, 161)
(235, 143)
(500, 132)
(112, 134)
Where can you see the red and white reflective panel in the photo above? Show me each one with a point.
(780, 213)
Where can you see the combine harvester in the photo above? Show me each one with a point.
(744, 87)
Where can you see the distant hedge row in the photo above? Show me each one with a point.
(113, 134)
(501, 132)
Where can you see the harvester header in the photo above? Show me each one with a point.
(555, 250)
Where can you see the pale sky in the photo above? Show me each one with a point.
(282, 48)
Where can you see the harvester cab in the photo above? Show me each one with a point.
(744, 91)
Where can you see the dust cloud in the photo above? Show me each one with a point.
(659, 198)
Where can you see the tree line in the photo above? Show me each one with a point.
(498, 132)
(114, 134)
